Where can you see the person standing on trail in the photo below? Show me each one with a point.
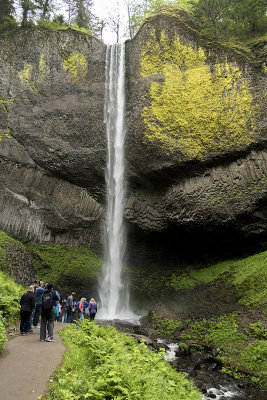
(70, 307)
(81, 306)
(64, 310)
(49, 301)
(39, 291)
(27, 303)
(92, 309)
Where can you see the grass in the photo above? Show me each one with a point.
(248, 276)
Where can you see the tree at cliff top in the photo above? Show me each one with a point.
(228, 18)
(6, 9)
(247, 16)
(28, 8)
(45, 6)
(7, 21)
(138, 10)
(211, 12)
(83, 13)
(79, 12)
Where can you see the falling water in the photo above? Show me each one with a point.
(113, 293)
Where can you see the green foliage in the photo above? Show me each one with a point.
(180, 281)
(233, 371)
(164, 325)
(222, 331)
(55, 25)
(258, 330)
(69, 268)
(183, 348)
(235, 345)
(10, 294)
(250, 279)
(8, 25)
(105, 364)
(254, 358)
(231, 18)
(248, 276)
(5, 241)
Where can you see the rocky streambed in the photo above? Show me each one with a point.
(203, 368)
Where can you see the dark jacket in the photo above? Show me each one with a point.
(27, 302)
(55, 296)
(92, 308)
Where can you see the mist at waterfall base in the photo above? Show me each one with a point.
(113, 292)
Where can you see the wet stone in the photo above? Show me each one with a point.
(211, 395)
(204, 389)
(212, 366)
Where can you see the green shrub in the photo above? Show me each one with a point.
(163, 325)
(258, 330)
(10, 294)
(254, 358)
(105, 364)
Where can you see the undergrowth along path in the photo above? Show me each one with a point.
(27, 364)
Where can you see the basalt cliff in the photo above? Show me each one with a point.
(195, 148)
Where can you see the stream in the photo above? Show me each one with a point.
(206, 374)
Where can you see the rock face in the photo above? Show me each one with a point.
(16, 260)
(195, 143)
(53, 146)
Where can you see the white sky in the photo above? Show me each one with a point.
(103, 9)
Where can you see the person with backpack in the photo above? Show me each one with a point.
(92, 309)
(81, 306)
(49, 301)
(27, 303)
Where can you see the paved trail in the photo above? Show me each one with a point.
(28, 364)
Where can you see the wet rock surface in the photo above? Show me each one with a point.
(201, 368)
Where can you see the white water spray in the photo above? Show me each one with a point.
(113, 293)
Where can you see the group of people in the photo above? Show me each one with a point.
(44, 301)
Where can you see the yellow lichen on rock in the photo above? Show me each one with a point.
(76, 66)
(25, 77)
(43, 68)
(195, 110)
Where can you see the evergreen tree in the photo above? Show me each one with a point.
(28, 7)
(6, 9)
(250, 13)
(97, 26)
(83, 13)
(45, 6)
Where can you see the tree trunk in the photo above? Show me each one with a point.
(25, 16)
(215, 28)
(45, 9)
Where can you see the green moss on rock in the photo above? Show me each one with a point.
(69, 268)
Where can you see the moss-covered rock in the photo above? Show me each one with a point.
(68, 268)
(15, 260)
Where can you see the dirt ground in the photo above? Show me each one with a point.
(27, 364)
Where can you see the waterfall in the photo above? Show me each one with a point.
(112, 291)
